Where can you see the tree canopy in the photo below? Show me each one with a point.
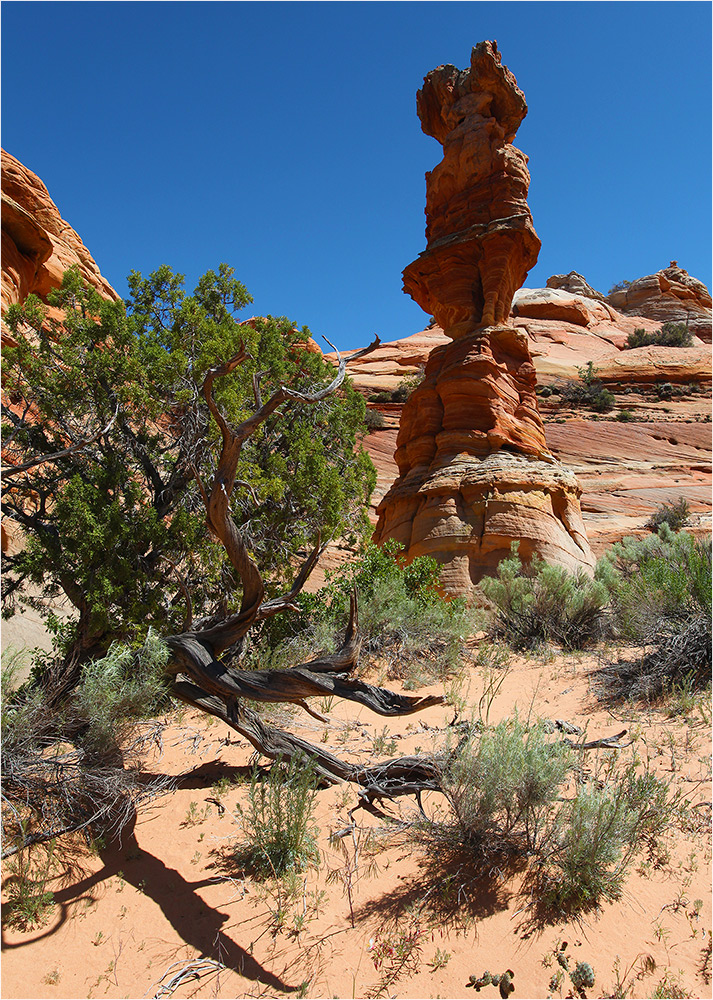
(110, 443)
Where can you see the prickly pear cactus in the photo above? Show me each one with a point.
(503, 980)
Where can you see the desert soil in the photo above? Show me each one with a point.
(129, 920)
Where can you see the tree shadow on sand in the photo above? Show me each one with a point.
(197, 924)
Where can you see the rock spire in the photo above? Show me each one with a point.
(474, 470)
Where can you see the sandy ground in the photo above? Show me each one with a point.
(128, 920)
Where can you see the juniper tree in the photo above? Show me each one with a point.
(109, 445)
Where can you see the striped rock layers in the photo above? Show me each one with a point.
(474, 470)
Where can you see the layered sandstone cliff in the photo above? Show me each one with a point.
(671, 295)
(37, 244)
(474, 469)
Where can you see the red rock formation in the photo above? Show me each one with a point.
(575, 283)
(671, 295)
(37, 244)
(474, 469)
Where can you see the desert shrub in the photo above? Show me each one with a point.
(503, 782)
(675, 515)
(597, 834)
(402, 391)
(76, 768)
(624, 416)
(374, 420)
(28, 902)
(514, 789)
(661, 600)
(588, 392)
(122, 687)
(277, 820)
(404, 621)
(619, 286)
(535, 603)
(670, 335)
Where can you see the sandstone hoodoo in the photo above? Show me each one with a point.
(474, 469)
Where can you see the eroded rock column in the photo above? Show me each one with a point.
(474, 469)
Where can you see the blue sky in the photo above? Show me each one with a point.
(283, 139)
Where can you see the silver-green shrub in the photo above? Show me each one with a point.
(536, 603)
(277, 820)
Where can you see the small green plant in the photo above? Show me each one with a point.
(670, 335)
(670, 987)
(384, 744)
(28, 901)
(440, 960)
(395, 956)
(192, 817)
(221, 787)
(625, 416)
(277, 820)
(619, 286)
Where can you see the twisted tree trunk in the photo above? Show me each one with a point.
(201, 679)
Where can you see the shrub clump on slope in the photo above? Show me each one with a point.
(660, 590)
(670, 335)
(536, 603)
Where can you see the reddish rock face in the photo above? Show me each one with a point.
(481, 240)
(474, 470)
(37, 244)
(671, 295)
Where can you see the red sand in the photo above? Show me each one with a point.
(169, 897)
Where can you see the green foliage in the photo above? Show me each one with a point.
(536, 602)
(670, 335)
(277, 820)
(402, 391)
(598, 833)
(503, 782)
(665, 575)
(588, 392)
(120, 688)
(404, 620)
(619, 286)
(76, 766)
(28, 902)
(513, 789)
(661, 596)
(118, 526)
(625, 416)
(675, 515)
